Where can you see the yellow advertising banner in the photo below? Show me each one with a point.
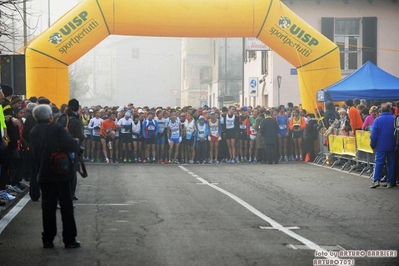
(363, 141)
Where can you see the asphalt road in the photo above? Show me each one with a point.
(224, 214)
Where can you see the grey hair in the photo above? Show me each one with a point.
(30, 106)
(42, 112)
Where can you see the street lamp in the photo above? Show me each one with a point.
(279, 78)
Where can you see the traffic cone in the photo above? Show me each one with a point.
(307, 158)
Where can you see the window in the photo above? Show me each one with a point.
(347, 37)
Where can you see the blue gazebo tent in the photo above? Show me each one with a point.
(369, 82)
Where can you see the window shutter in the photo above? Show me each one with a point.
(369, 41)
(327, 28)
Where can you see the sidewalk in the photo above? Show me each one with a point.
(10, 203)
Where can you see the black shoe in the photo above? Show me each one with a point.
(75, 198)
(75, 244)
(2, 203)
(48, 245)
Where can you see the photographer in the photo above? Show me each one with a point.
(46, 139)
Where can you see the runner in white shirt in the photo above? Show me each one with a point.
(95, 126)
(125, 124)
(174, 130)
(136, 137)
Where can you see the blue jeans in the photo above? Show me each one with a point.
(380, 157)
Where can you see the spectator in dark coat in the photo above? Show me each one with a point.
(30, 122)
(311, 135)
(269, 130)
(47, 137)
(76, 130)
(330, 113)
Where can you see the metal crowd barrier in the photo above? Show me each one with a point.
(352, 153)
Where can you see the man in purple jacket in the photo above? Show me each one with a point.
(383, 142)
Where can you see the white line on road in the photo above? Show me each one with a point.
(13, 212)
(311, 245)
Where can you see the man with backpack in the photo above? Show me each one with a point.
(71, 122)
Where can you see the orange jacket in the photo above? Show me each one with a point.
(355, 119)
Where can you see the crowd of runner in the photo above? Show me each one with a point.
(179, 135)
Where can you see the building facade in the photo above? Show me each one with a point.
(364, 30)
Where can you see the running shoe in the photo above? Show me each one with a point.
(375, 184)
(15, 189)
(124, 161)
(129, 161)
(106, 160)
(286, 158)
(232, 161)
(6, 196)
(92, 160)
(255, 161)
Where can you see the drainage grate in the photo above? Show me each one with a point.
(304, 247)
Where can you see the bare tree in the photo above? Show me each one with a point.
(13, 25)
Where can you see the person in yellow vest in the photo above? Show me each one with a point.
(297, 126)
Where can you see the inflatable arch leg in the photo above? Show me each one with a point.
(91, 21)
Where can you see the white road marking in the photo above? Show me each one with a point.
(288, 227)
(99, 204)
(13, 212)
(311, 245)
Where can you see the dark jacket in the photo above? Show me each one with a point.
(382, 136)
(75, 127)
(47, 138)
(329, 114)
(30, 122)
(311, 129)
(269, 130)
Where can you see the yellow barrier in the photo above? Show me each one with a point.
(336, 144)
(91, 21)
(363, 141)
(349, 144)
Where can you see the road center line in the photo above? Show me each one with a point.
(311, 245)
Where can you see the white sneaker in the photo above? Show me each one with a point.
(6, 196)
(24, 183)
(15, 189)
(106, 160)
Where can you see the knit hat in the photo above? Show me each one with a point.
(73, 104)
(15, 100)
(7, 90)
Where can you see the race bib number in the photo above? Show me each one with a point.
(284, 126)
(151, 127)
(243, 126)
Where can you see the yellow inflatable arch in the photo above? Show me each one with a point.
(91, 21)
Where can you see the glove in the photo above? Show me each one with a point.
(169, 141)
(180, 139)
(219, 138)
(209, 138)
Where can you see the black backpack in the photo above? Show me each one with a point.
(63, 120)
